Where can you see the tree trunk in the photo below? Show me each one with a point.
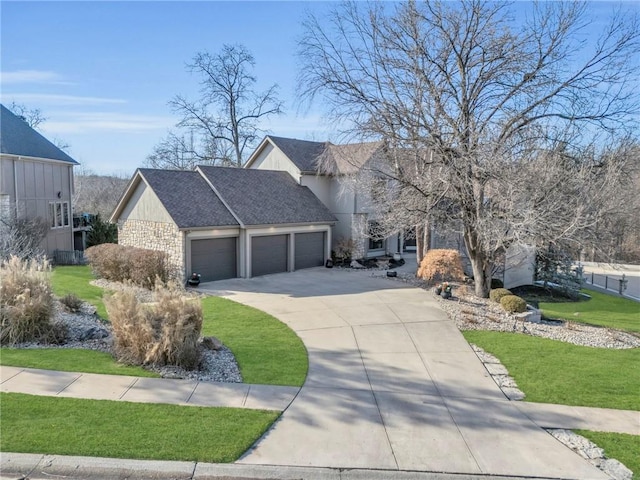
(423, 241)
(480, 263)
(481, 275)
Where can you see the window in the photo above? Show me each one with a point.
(375, 241)
(59, 213)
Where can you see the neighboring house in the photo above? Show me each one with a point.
(327, 169)
(36, 180)
(225, 222)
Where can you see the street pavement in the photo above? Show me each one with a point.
(393, 391)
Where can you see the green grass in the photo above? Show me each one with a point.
(550, 371)
(75, 279)
(267, 351)
(67, 426)
(69, 360)
(622, 447)
(602, 309)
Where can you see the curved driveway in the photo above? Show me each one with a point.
(392, 384)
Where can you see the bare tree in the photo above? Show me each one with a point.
(226, 115)
(97, 194)
(484, 120)
(179, 152)
(32, 116)
(21, 237)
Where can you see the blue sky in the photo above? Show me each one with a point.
(103, 72)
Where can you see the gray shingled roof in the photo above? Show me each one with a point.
(303, 153)
(326, 157)
(18, 138)
(266, 197)
(188, 198)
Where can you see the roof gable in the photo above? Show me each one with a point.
(303, 153)
(188, 198)
(266, 197)
(18, 138)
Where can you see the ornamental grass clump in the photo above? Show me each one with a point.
(496, 294)
(441, 264)
(26, 303)
(513, 304)
(165, 332)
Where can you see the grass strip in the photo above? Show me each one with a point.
(69, 360)
(623, 447)
(550, 371)
(67, 426)
(601, 309)
(75, 279)
(267, 351)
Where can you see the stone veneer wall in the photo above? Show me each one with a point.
(155, 236)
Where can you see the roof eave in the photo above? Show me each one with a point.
(71, 162)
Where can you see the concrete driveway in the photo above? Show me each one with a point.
(392, 384)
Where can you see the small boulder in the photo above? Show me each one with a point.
(356, 264)
(211, 343)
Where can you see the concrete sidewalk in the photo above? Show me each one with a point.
(145, 390)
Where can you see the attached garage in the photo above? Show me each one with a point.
(268, 254)
(309, 248)
(214, 258)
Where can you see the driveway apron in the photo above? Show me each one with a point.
(392, 384)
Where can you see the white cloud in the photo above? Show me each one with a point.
(61, 100)
(103, 122)
(32, 76)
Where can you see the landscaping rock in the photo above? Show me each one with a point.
(356, 264)
(212, 343)
(591, 452)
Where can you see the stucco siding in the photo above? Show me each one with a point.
(321, 188)
(161, 236)
(145, 205)
(272, 158)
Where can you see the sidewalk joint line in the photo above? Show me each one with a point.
(192, 391)
(69, 384)
(135, 380)
(246, 395)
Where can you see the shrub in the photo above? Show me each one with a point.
(71, 302)
(109, 261)
(119, 263)
(496, 283)
(163, 333)
(148, 267)
(496, 294)
(101, 232)
(513, 304)
(26, 302)
(441, 264)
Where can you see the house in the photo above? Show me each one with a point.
(36, 180)
(225, 222)
(327, 169)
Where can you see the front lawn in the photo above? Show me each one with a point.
(69, 360)
(267, 351)
(601, 309)
(550, 371)
(102, 428)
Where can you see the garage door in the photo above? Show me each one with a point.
(214, 258)
(268, 255)
(309, 250)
